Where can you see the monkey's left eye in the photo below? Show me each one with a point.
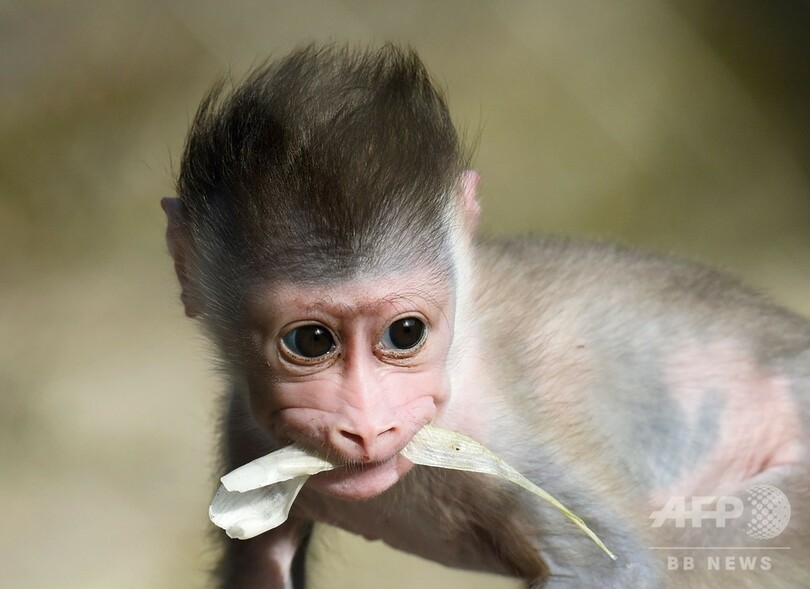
(404, 334)
(309, 341)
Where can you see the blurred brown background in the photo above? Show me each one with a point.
(680, 125)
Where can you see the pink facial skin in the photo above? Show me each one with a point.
(361, 403)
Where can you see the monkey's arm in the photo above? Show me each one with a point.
(274, 559)
(268, 560)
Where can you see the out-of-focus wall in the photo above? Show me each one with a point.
(680, 125)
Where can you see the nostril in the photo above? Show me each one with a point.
(352, 437)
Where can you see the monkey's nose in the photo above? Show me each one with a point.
(367, 443)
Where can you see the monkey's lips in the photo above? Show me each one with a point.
(361, 481)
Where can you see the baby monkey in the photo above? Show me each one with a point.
(324, 236)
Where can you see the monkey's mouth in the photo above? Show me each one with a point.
(358, 481)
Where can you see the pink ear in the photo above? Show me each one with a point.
(469, 187)
(175, 241)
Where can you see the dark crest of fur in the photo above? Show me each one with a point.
(324, 164)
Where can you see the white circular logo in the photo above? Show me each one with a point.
(770, 512)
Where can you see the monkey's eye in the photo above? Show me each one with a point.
(404, 334)
(309, 341)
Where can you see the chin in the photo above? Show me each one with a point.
(356, 483)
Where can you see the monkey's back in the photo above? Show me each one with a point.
(660, 365)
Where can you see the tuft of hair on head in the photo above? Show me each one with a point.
(328, 163)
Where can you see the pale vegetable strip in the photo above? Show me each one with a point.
(433, 446)
(281, 465)
(257, 497)
(245, 515)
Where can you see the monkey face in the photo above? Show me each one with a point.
(352, 370)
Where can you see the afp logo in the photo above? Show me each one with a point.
(766, 507)
(770, 512)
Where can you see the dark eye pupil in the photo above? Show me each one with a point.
(406, 333)
(310, 341)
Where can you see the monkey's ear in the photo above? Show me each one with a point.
(178, 249)
(469, 193)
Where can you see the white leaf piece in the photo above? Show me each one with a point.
(281, 465)
(257, 497)
(248, 514)
(442, 448)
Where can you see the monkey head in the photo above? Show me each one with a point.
(323, 205)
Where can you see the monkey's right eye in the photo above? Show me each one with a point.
(309, 341)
